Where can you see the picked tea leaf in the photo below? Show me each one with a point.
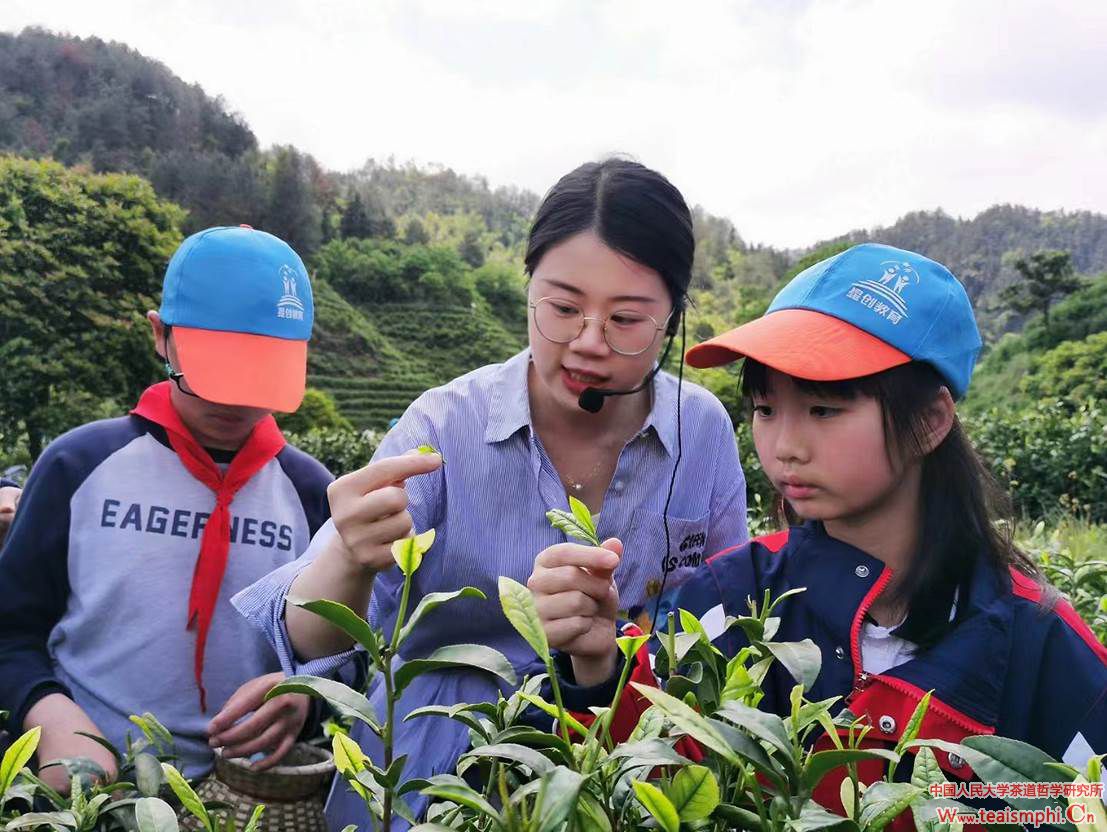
(579, 523)
(430, 449)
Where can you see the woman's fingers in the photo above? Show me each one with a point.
(564, 631)
(566, 605)
(382, 472)
(573, 554)
(551, 581)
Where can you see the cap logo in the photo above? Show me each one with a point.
(884, 296)
(290, 306)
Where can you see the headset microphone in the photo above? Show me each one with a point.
(591, 399)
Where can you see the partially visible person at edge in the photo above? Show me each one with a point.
(133, 532)
(609, 258)
(910, 585)
(10, 492)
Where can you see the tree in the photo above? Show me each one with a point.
(1074, 371)
(416, 233)
(317, 412)
(355, 220)
(292, 213)
(81, 261)
(1045, 276)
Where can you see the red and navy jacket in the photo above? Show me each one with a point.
(1009, 665)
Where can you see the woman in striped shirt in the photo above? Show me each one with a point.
(609, 258)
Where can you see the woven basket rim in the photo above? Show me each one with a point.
(312, 769)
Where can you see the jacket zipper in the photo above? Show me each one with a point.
(861, 679)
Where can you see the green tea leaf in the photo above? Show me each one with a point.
(154, 730)
(518, 606)
(822, 762)
(629, 645)
(458, 713)
(344, 619)
(148, 774)
(512, 752)
(649, 725)
(551, 710)
(814, 818)
(344, 699)
(449, 787)
(800, 658)
(658, 805)
(765, 726)
(432, 601)
(155, 815)
(469, 656)
(408, 552)
(17, 756)
(104, 743)
(690, 624)
(652, 752)
(926, 772)
(583, 515)
(577, 523)
(689, 721)
(694, 793)
(59, 821)
(189, 799)
(882, 803)
(911, 732)
(430, 449)
(255, 816)
(560, 790)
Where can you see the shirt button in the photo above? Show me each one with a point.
(617, 485)
(956, 761)
(887, 724)
(861, 571)
(840, 652)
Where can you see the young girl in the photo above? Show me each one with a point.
(609, 258)
(853, 373)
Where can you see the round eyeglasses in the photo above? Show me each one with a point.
(626, 331)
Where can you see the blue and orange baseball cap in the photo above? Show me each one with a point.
(239, 301)
(868, 309)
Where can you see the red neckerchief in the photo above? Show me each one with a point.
(264, 443)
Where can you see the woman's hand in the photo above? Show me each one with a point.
(577, 602)
(369, 508)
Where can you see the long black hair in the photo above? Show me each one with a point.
(960, 500)
(634, 210)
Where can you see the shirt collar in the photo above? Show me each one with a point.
(509, 406)
(662, 415)
(509, 412)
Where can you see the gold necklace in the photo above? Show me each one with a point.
(578, 484)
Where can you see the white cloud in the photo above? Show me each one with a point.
(798, 120)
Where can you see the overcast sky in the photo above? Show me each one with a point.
(797, 119)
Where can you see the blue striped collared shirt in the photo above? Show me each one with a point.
(488, 506)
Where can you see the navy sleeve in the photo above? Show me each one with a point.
(310, 478)
(34, 564)
(1069, 715)
(6, 483)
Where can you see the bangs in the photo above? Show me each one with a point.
(755, 382)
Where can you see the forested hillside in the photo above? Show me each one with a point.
(418, 270)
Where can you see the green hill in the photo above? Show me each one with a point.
(418, 270)
(399, 328)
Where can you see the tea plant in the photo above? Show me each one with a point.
(93, 806)
(380, 786)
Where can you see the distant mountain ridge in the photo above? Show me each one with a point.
(90, 102)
